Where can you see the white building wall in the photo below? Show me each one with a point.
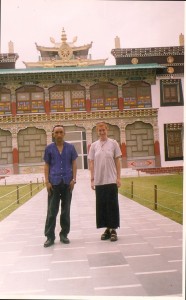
(168, 114)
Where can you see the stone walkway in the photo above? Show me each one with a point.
(145, 261)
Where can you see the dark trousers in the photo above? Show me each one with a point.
(107, 206)
(59, 193)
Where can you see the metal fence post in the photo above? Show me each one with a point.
(132, 189)
(31, 188)
(155, 198)
(17, 194)
(37, 184)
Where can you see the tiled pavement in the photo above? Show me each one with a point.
(145, 261)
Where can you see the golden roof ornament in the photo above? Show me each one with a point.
(11, 47)
(181, 39)
(134, 60)
(117, 42)
(63, 36)
(58, 44)
(65, 51)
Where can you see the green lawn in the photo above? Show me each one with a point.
(169, 193)
(12, 197)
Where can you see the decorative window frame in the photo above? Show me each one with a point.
(69, 102)
(31, 104)
(103, 101)
(137, 101)
(172, 127)
(178, 85)
(5, 104)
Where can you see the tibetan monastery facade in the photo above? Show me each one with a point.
(142, 102)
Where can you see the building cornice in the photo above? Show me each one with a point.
(79, 116)
(65, 63)
(8, 57)
(76, 75)
(153, 51)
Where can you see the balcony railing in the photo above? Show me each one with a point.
(74, 116)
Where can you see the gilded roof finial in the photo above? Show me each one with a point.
(63, 36)
(181, 39)
(117, 42)
(11, 47)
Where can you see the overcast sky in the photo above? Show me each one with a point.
(136, 23)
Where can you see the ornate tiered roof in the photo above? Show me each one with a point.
(64, 54)
(170, 57)
(8, 60)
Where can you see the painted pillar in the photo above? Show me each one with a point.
(15, 153)
(157, 154)
(157, 148)
(88, 102)
(13, 104)
(120, 98)
(120, 103)
(123, 147)
(47, 101)
(89, 139)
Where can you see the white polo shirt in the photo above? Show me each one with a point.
(103, 154)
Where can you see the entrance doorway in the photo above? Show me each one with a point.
(77, 137)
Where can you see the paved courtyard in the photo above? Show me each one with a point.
(145, 261)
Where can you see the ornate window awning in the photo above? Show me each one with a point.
(77, 74)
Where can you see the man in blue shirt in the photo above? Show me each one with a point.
(60, 176)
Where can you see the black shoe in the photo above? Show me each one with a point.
(113, 236)
(64, 239)
(105, 235)
(48, 243)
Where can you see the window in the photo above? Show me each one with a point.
(67, 98)
(5, 101)
(30, 99)
(136, 95)
(171, 92)
(104, 96)
(57, 101)
(173, 134)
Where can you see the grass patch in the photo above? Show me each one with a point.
(13, 196)
(169, 194)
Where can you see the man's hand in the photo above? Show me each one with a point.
(72, 183)
(49, 188)
(92, 184)
(118, 182)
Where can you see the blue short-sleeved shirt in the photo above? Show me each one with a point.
(60, 165)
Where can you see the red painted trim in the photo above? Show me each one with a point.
(157, 148)
(15, 154)
(88, 105)
(123, 150)
(162, 170)
(47, 107)
(120, 103)
(13, 108)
